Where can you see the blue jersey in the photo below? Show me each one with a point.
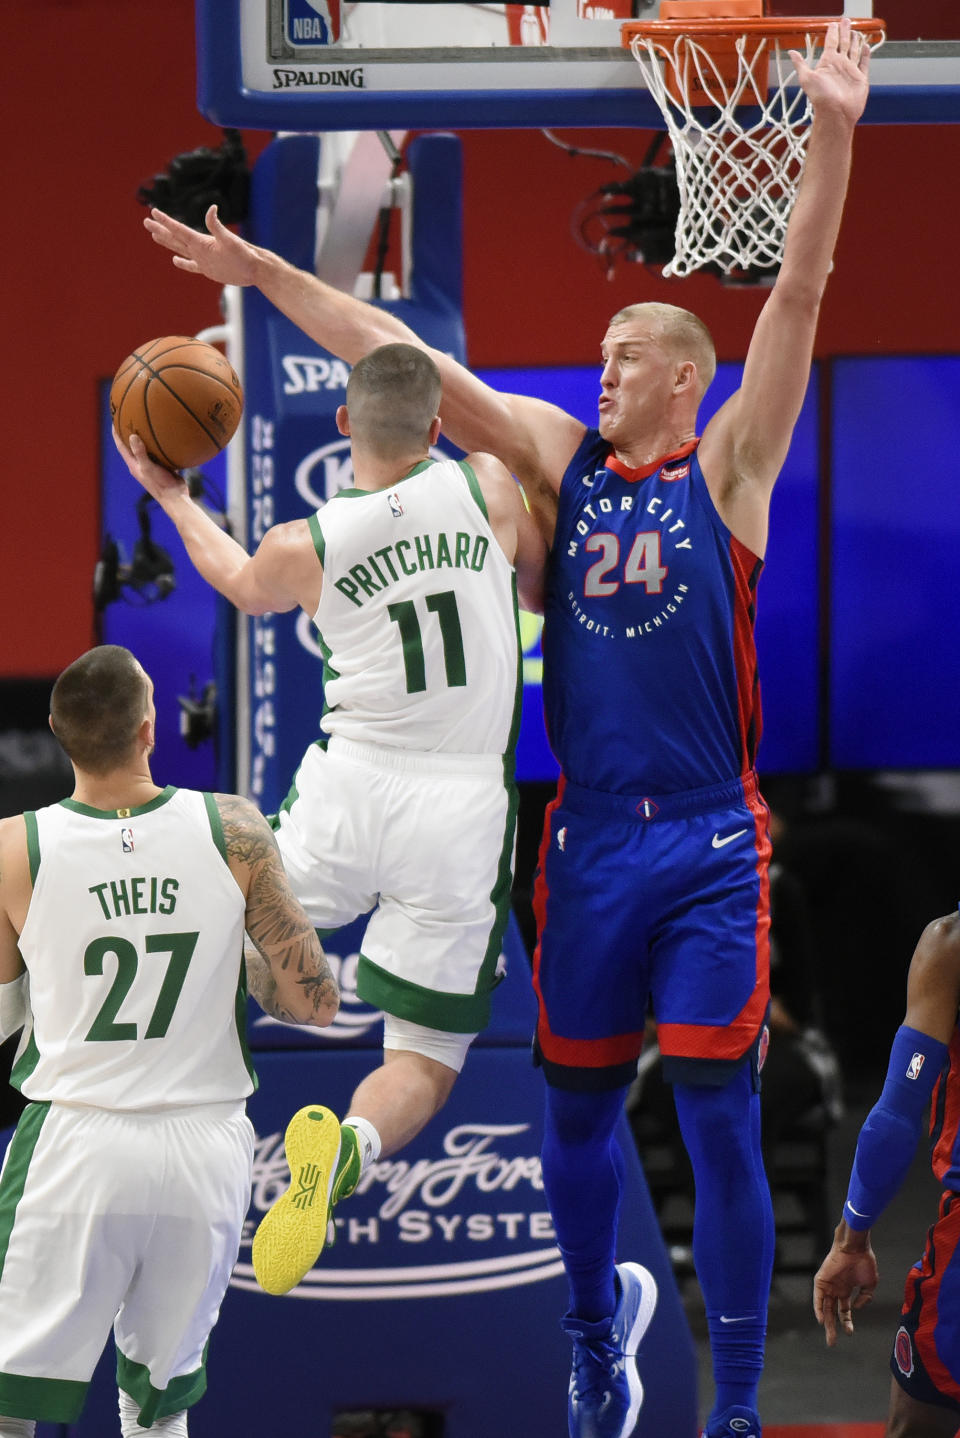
(650, 672)
(945, 1120)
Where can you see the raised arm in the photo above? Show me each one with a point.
(745, 444)
(534, 439)
(888, 1138)
(514, 526)
(283, 573)
(288, 975)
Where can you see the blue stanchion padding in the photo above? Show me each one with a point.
(283, 213)
(296, 457)
(443, 1290)
(283, 199)
(357, 1025)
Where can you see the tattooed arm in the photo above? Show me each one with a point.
(287, 972)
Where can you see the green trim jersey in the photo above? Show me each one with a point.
(133, 944)
(418, 616)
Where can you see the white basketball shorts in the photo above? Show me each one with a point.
(427, 841)
(129, 1221)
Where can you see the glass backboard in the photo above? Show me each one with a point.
(322, 65)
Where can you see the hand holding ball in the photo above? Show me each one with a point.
(181, 396)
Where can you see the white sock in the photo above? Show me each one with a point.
(175, 1426)
(368, 1138)
(17, 1427)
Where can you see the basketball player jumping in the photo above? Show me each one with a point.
(410, 809)
(924, 1061)
(653, 874)
(127, 1181)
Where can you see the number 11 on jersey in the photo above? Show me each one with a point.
(404, 615)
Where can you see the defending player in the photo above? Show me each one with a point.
(653, 877)
(924, 1061)
(126, 1184)
(411, 579)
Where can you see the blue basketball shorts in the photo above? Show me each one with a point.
(661, 899)
(926, 1350)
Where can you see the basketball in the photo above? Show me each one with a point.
(181, 396)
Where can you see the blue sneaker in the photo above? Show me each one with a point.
(734, 1422)
(605, 1392)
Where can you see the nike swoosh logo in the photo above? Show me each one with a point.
(718, 843)
(856, 1212)
(747, 1317)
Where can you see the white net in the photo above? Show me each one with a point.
(739, 147)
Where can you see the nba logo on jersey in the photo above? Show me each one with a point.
(313, 22)
(126, 840)
(396, 508)
(914, 1067)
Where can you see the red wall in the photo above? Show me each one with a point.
(533, 296)
(100, 95)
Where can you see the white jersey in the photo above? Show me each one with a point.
(133, 944)
(418, 616)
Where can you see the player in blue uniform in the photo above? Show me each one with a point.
(924, 1065)
(653, 877)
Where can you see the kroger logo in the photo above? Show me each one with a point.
(474, 1215)
(325, 471)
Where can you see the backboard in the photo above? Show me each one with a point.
(323, 65)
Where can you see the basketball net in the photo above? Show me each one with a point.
(739, 124)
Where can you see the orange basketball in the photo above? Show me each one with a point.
(181, 396)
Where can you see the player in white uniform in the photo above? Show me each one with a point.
(411, 578)
(125, 1186)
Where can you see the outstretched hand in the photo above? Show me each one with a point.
(219, 254)
(159, 483)
(838, 81)
(841, 1275)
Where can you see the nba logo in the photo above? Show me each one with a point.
(126, 840)
(914, 1067)
(396, 508)
(313, 22)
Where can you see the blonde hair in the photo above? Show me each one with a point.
(684, 334)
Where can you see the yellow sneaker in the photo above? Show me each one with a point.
(293, 1231)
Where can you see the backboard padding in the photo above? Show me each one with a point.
(252, 74)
